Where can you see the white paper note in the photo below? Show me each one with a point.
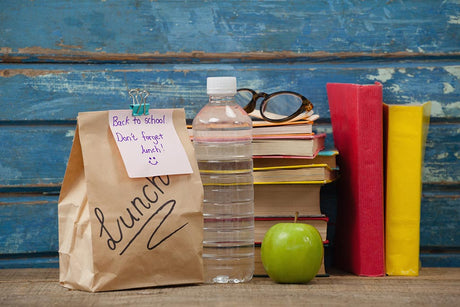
(149, 144)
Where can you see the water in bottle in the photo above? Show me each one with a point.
(222, 135)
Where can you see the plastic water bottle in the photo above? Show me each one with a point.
(222, 135)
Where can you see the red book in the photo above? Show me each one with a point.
(357, 128)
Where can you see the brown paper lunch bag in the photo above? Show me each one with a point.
(117, 232)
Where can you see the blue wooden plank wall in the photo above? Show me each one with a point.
(58, 58)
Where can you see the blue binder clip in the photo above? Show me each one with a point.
(139, 105)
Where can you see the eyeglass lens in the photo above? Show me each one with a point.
(276, 107)
(281, 105)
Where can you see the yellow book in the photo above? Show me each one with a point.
(406, 128)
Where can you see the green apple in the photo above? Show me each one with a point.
(292, 252)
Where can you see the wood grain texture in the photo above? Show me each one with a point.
(143, 30)
(428, 259)
(58, 58)
(440, 258)
(34, 155)
(29, 223)
(434, 286)
(440, 216)
(37, 155)
(36, 260)
(59, 92)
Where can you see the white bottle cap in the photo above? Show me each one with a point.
(221, 86)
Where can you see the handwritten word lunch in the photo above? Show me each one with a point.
(155, 139)
(141, 211)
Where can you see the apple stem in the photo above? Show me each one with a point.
(296, 216)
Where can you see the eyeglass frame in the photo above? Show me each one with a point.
(306, 105)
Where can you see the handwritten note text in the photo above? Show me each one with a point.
(149, 144)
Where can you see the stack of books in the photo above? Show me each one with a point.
(290, 167)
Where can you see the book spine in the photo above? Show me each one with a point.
(370, 179)
(406, 128)
(356, 117)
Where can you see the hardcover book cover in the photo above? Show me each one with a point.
(357, 128)
(263, 127)
(286, 198)
(297, 173)
(325, 156)
(305, 145)
(406, 128)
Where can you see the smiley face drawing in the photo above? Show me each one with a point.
(153, 161)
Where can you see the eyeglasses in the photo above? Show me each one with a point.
(277, 107)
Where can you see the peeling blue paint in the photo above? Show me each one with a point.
(244, 26)
(411, 47)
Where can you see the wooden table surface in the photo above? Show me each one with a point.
(434, 286)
